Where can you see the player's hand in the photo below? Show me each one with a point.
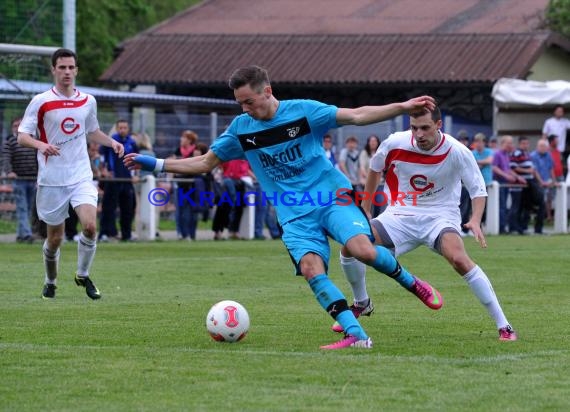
(118, 148)
(135, 161)
(49, 150)
(130, 162)
(477, 233)
(420, 102)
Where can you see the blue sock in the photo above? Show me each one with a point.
(333, 301)
(387, 264)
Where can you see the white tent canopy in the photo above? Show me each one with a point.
(530, 92)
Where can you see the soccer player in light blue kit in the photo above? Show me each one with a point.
(282, 140)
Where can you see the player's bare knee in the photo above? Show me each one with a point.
(460, 262)
(311, 265)
(90, 230)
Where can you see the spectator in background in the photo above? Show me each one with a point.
(20, 163)
(265, 215)
(230, 207)
(187, 144)
(484, 158)
(190, 206)
(118, 193)
(557, 125)
(349, 163)
(503, 174)
(493, 144)
(526, 198)
(556, 158)
(95, 158)
(372, 144)
(463, 137)
(329, 149)
(144, 145)
(544, 166)
(163, 146)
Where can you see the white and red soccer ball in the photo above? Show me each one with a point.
(227, 321)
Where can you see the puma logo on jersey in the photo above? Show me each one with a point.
(252, 141)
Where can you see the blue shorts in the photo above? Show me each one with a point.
(308, 233)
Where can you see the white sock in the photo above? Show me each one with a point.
(85, 253)
(481, 287)
(51, 263)
(355, 273)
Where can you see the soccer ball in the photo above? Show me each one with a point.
(227, 321)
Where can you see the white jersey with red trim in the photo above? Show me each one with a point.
(420, 182)
(64, 122)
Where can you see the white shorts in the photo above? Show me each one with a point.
(53, 201)
(408, 232)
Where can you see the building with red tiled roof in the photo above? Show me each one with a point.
(350, 52)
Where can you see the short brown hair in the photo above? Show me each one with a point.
(59, 53)
(254, 76)
(435, 113)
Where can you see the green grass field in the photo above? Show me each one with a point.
(144, 345)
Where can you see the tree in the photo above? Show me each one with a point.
(101, 25)
(558, 16)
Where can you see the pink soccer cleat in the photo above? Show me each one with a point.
(427, 294)
(507, 333)
(350, 341)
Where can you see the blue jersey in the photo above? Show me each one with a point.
(287, 156)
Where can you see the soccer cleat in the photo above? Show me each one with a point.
(357, 311)
(49, 291)
(429, 295)
(507, 333)
(350, 341)
(90, 288)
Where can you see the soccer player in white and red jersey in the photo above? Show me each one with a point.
(423, 169)
(57, 124)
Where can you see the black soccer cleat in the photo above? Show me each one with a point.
(49, 291)
(90, 288)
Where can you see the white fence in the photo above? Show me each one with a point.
(560, 205)
(146, 228)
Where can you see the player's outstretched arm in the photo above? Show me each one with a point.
(373, 114)
(189, 166)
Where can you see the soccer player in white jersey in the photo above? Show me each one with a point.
(423, 169)
(57, 124)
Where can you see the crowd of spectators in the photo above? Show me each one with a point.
(528, 172)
